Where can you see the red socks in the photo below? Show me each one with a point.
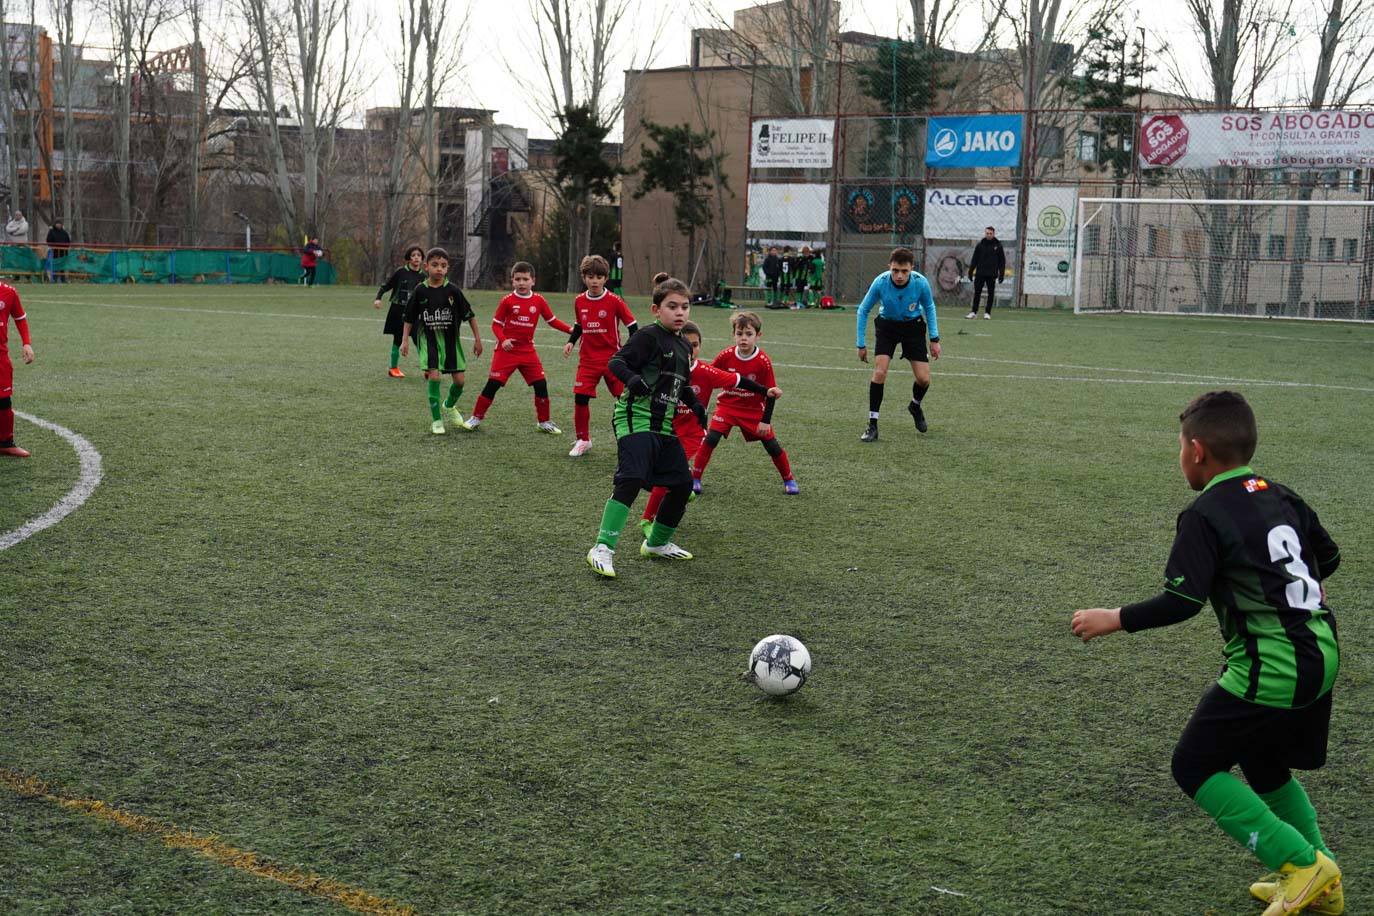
(783, 465)
(655, 500)
(582, 424)
(479, 410)
(703, 458)
(541, 409)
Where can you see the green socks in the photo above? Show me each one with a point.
(1250, 822)
(454, 392)
(433, 385)
(659, 535)
(612, 521)
(395, 356)
(1291, 805)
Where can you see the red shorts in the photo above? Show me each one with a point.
(691, 444)
(724, 422)
(589, 375)
(504, 363)
(6, 376)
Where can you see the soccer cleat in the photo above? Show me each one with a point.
(548, 426)
(790, 487)
(599, 559)
(1332, 904)
(988, 316)
(472, 423)
(437, 427)
(696, 486)
(645, 524)
(668, 551)
(395, 373)
(971, 315)
(918, 415)
(13, 451)
(455, 416)
(580, 448)
(870, 434)
(1299, 888)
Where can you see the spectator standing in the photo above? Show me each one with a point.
(986, 269)
(310, 259)
(17, 229)
(58, 242)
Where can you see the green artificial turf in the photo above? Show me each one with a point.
(291, 618)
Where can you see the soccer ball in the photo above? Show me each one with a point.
(779, 665)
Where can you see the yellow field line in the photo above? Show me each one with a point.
(174, 837)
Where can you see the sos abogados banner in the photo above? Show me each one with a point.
(1258, 140)
(974, 141)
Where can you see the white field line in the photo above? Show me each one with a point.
(1172, 378)
(86, 482)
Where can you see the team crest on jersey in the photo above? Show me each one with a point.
(601, 314)
(1255, 484)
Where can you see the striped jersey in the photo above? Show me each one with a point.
(1256, 551)
(663, 359)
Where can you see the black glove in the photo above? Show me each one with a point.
(700, 413)
(639, 388)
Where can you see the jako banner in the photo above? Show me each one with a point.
(792, 143)
(963, 213)
(1258, 139)
(979, 140)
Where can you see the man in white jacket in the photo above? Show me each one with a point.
(17, 229)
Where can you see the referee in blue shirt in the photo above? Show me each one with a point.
(906, 310)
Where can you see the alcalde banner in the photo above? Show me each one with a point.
(969, 142)
(963, 213)
(1050, 215)
(1258, 140)
(792, 143)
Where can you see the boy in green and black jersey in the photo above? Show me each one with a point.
(1259, 554)
(434, 312)
(655, 365)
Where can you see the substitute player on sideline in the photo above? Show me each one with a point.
(11, 308)
(906, 312)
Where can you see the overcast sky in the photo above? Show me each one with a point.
(489, 83)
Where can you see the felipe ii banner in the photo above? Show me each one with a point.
(1258, 140)
(792, 143)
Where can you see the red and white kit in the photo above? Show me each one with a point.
(706, 379)
(10, 308)
(600, 320)
(515, 320)
(737, 407)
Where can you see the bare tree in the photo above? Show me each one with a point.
(64, 15)
(396, 188)
(577, 42)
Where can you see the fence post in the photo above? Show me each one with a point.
(172, 265)
(227, 269)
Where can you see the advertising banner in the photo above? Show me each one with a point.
(963, 213)
(970, 142)
(881, 209)
(788, 208)
(792, 143)
(1050, 215)
(1258, 140)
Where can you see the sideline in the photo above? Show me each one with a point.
(89, 478)
(174, 837)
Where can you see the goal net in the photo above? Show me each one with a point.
(1264, 258)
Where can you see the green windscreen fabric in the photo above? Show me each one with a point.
(155, 265)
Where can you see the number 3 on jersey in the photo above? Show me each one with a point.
(1284, 546)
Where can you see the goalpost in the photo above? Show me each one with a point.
(1311, 259)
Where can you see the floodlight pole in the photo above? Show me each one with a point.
(247, 231)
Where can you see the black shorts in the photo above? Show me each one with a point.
(1225, 731)
(910, 334)
(652, 460)
(396, 319)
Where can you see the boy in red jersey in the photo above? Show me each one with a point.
(751, 412)
(705, 379)
(10, 308)
(514, 324)
(595, 316)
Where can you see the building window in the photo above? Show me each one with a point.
(1326, 248)
(1351, 246)
(1157, 241)
(1302, 247)
(1252, 246)
(1353, 184)
(1087, 147)
(1278, 247)
(1049, 142)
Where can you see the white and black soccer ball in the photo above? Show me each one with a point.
(779, 665)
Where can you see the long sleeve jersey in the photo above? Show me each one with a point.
(517, 317)
(898, 303)
(596, 326)
(11, 308)
(655, 365)
(401, 283)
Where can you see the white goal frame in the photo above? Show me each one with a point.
(1091, 209)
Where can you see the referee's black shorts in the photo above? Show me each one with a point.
(1266, 741)
(910, 334)
(652, 460)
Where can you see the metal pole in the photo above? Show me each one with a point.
(836, 154)
(247, 237)
(1028, 151)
